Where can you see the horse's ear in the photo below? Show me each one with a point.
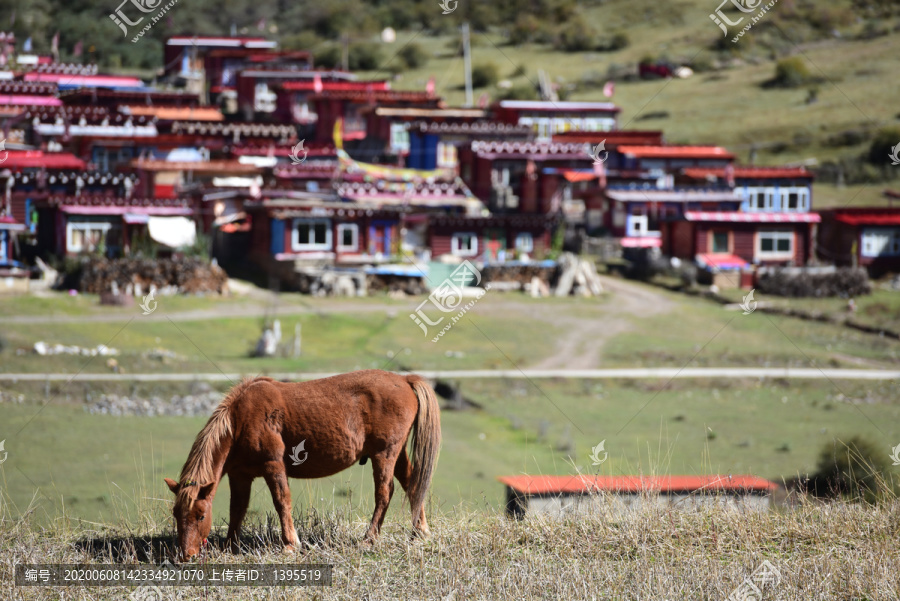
(205, 490)
(173, 486)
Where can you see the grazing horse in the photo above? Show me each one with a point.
(277, 430)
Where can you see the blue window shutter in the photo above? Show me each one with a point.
(414, 159)
(277, 236)
(430, 158)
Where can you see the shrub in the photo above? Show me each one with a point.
(849, 137)
(880, 148)
(305, 40)
(413, 56)
(525, 29)
(328, 57)
(364, 56)
(857, 468)
(485, 74)
(791, 72)
(520, 92)
(576, 36)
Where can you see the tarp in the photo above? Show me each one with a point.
(722, 261)
(373, 172)
(174, 232)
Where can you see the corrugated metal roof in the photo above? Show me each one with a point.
(545, 485)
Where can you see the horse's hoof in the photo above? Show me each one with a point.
(289, 548)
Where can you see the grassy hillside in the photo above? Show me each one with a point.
(726, 101)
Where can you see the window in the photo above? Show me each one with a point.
(85, 236)
(525, 242)
(794, 199)
(399, 138)
(311, 234)
(720, 242)
(638, 225)
(464, 245)
(775, 245)
(880, 242)
(793, 202)
(348, 236)
(761, 199)
(758, 200)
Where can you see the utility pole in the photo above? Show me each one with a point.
(467, 59)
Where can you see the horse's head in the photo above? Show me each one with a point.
(193, 515)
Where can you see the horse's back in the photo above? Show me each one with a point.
(340, 418)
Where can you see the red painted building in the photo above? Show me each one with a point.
(861, 236)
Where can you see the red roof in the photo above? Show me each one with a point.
(882, 217)
(8, 223)
(367, 95)
(548, 485)
(676, 152)
(336, 86)
(574, 175)
(723, 261)
(21, 159)
(749, 172)
(612, 138)
(738, 217)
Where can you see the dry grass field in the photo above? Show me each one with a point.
(843, 551)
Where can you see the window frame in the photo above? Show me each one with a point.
(457, 250)
(520, 238)
(296, 245)
(776, 235)
(341, 228)
(712, 242)
(71, 226)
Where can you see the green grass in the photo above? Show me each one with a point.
(96, 467)
(771, 428)
(501, 332)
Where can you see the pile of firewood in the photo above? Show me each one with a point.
(138, 276)
(844, 281)
(578, 277)
(517, 272)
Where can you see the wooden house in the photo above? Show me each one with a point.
(861, 236)
(547, 118)
(769, 224)
(520, 177)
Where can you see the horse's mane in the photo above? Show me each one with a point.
(199, 469)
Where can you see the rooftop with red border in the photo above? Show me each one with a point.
(549, 485)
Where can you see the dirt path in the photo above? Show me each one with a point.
(583, 337)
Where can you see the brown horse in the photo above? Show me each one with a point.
(278, 430)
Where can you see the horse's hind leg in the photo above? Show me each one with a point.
(383, 473)
(403, 473)
(277, 480)
(240, 500)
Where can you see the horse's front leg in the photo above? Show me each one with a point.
(277, 479)
(240, 500)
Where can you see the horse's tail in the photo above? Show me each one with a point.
(426, 443)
